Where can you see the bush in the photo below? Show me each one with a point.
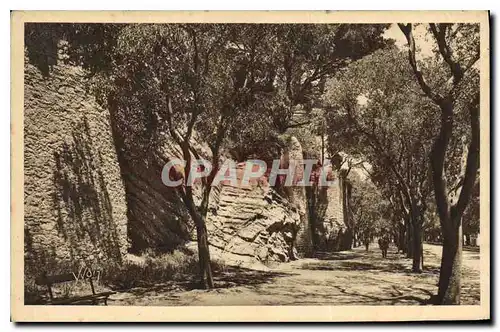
(150, 268)
(145, 270)
(35, 266)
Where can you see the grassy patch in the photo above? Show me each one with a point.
(149, 269)
(145, 270)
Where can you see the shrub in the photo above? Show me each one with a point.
(150, 268)
(145, 270)
(34, 267)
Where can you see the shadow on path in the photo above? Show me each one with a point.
(361, 260)
(354, 277)
(230, 277)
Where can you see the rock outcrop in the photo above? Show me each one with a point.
(252, 223)
(74, 199)
(157, 218)
(328, 211)
(296, 195)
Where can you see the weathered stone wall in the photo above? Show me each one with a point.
(323, 209)
(296, 195)
(329, 214)
(75, 208)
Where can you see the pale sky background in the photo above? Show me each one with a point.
(423, 40)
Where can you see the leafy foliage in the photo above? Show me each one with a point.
(368, 209)
(376, 112)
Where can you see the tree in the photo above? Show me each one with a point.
(305, 56)
(376, 112)
(453, 180)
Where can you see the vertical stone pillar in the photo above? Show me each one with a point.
(297, 196)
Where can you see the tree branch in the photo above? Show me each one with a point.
(472, 159)
(375, 144)
(407, 31)
(176, 137)
(439, 32)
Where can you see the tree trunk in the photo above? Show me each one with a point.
(346, 193)
(401, 238)
(451, 261)
(417, 246)
(312, 193)
(416, 223)
(347, 240)
(451, 215)
(206, 278)
(203, 245)
(322, 148)
(422, 249)
(409, 239)
(467, 239)
(207, 281)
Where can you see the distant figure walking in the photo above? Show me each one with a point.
(383, 243)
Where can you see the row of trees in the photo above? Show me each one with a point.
(376, 113)
(416, 123)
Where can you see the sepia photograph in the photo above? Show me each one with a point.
(261, 166)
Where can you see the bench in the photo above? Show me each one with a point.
(93, 298)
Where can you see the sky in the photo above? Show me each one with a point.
(423, 40)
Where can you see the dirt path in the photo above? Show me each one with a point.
(353, 277)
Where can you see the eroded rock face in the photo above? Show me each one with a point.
(158, 219)
(248, 224)
(74, 199)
